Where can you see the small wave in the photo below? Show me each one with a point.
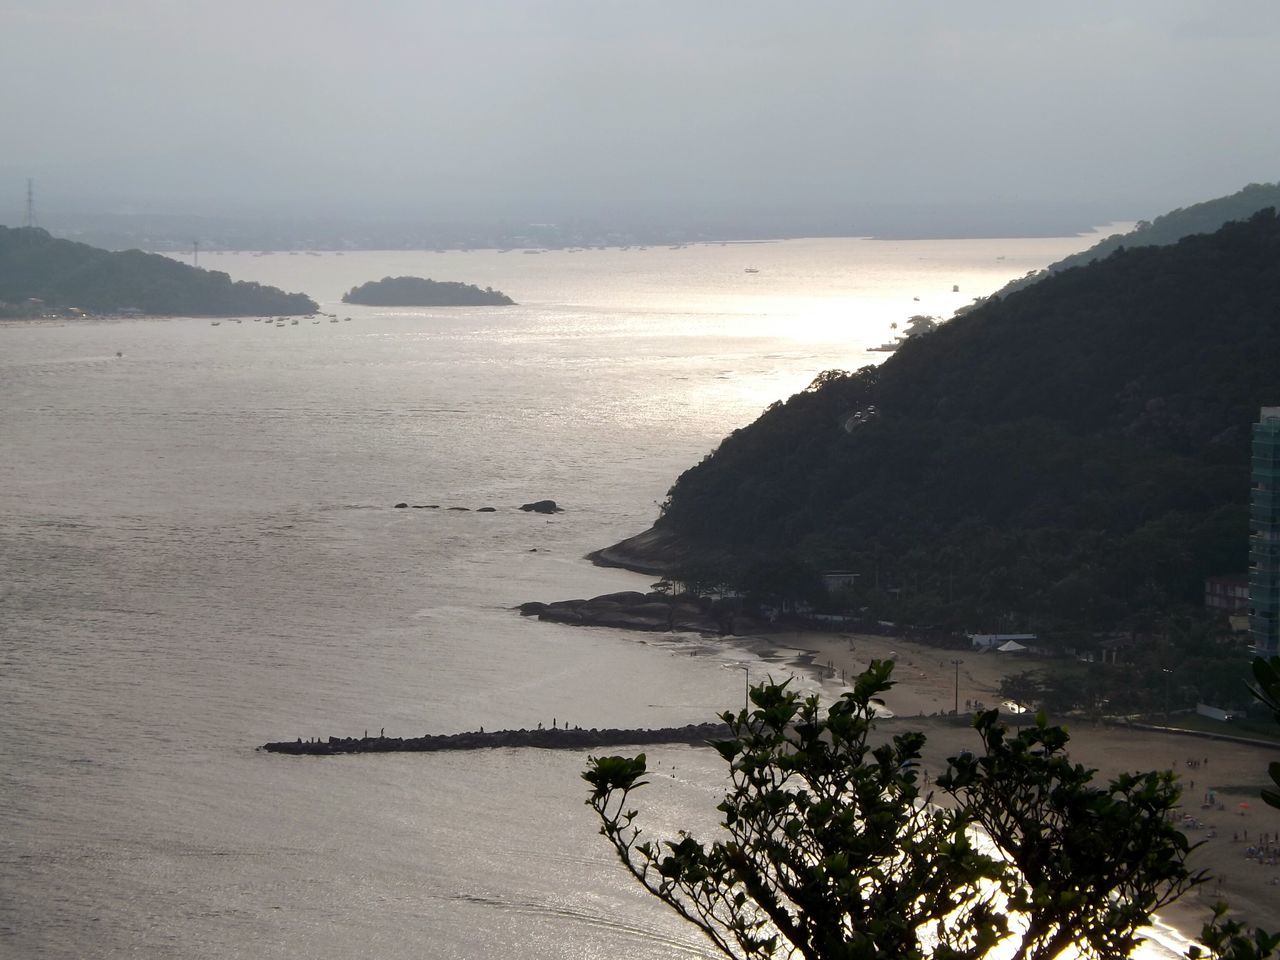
(691, 947)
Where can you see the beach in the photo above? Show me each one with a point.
(926, 689)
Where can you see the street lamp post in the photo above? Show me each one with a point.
(957, 663)
(746, 690)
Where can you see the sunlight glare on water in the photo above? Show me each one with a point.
(199, 553)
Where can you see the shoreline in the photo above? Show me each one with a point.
(925, 690)
(928, 686)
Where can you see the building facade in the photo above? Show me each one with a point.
(1229, 594)
(1264, 536)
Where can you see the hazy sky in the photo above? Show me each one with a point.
(559, 108)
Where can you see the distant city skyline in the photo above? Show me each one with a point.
(818, 117)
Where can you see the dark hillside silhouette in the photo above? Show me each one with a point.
(1070, 454)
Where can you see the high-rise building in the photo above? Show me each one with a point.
(1264, 536)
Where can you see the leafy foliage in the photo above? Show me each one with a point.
(417, 292)
(1094, 863)
(63, 273)
(1065, 456)
(1224, 938)
(1266, 673)
(831, 849)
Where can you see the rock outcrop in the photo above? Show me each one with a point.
(654, 612)
(655, 552)
(541, 506)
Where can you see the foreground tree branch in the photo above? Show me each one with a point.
(831, 850)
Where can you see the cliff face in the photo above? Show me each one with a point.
(1072, 452)
(61, 273)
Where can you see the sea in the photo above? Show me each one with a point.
(200, 553)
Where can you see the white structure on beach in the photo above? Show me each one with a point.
(1003, 642)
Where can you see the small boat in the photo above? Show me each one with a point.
(294, 321)
(751, 270)
(333, 319)
(215, 323)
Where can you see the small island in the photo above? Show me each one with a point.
(419, 292)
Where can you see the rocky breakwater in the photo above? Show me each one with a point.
(632, 610)
(553, 739)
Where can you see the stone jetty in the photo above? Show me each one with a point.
(552, 739)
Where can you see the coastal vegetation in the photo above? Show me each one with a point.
(419, 292)
(831, 847)
(38, 271)
(1070, 459)
(1205, 217)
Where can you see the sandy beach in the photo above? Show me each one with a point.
(926, 687)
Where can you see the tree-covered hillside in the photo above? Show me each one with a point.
(63, 273)
(1073, 453)
(1168, 228)
(419, 292)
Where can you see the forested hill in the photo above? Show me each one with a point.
(419, 292)
(1168, 228)
(1074, 453)
(63, 273)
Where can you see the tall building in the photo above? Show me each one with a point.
(1264, 536)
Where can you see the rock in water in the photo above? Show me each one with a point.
(541, 506)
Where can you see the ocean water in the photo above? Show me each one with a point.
(199, 553)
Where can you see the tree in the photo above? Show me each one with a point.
(1025, 687)
(832, 850)
(782, 580)
(1092, 863)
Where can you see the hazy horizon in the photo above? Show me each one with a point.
(827, 116)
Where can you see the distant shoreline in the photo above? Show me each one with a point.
(1114, 226)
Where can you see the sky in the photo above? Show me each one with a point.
(560, 109)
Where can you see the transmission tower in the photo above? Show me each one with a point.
(31, 202)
